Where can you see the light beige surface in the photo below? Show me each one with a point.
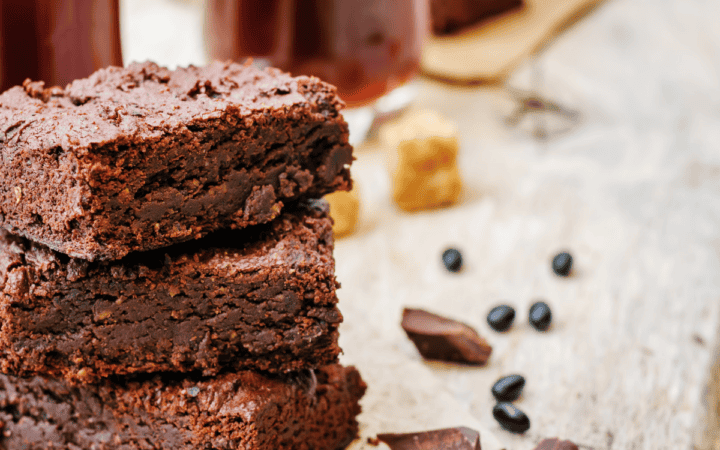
(489, 51)
(632, 189)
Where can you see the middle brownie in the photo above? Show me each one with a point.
(262, 298)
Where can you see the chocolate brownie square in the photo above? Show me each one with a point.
(449, 16)
(310, 410)
(139, 158)
(261, 298)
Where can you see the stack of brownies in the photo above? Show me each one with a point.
(167, 281)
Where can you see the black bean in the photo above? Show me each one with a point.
(540, 316)
(452, 259)
(511, 418)
(501, 318)
(562, 264)
(508, 389)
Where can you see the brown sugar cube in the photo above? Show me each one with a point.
(423, 161)
(344, 210)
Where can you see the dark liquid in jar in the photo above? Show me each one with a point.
(364, 47)
(57, 41)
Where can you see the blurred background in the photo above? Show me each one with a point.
(583, 125)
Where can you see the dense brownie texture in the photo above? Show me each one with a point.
(138, 158)
(261, 298)
(451, 15)
(312, 410)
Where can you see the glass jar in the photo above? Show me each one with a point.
(57, 41)
(367, 48)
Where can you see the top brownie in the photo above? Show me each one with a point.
(137, 158)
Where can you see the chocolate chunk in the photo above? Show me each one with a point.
(556, 444)
(460, 438)
(442, 339)
(450, 16)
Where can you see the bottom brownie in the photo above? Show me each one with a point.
(245, 410)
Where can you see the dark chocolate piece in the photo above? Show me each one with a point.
(138, 158)
(262, 298)
(556, 444)
(562, 264)
(460, 438)
(540, 316)
(452, 259)
(509, 388)
(243, 410)
(449, 16)
(501, 318)
(442, 339)
(511, 418)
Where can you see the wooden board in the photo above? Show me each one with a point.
(488, 52)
